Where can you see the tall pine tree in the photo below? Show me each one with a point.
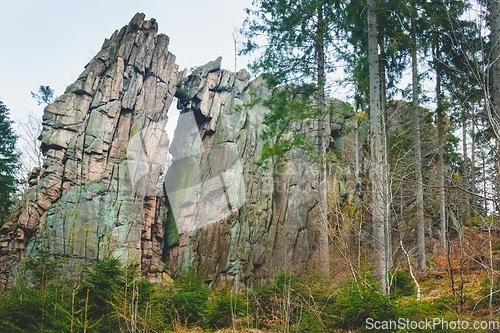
(378, 171)
(9, 163)
(297, 37)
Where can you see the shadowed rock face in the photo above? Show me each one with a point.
(268, 222)
(104, 146)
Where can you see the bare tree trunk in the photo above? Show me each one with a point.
(473, 158)
(383, 116)
(485, 186)
(466, 166)
(382, 73)
(377, 151)
(414, 278)
(419, 190)
(440, 130)
(491, 271)
(494, 109)
(387, 189)
(322, 146)
(234, 35)
(356, 154)
(496, 195)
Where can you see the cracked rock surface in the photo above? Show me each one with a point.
(100, 194)
(254, 221)
(82, 204)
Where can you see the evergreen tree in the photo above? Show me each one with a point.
(298, 36)
(45, 95)
(448, 45)
(378, 172)
(9, 163)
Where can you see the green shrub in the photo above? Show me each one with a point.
(24, 309)
(418, 311)
(93, 298)
(293, 304)
(402, 284)
(485, 292)
(358, 301)
(41, 269)
(224, 308)
(38, 300)
(136, 307)
(108, 298)
(185, 302)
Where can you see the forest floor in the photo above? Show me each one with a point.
(465, 272)
(458, 279)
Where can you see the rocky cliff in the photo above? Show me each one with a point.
(254, 220)
(99, 193)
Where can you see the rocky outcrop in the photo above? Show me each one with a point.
(100, 193)
(83, 204)
(236, 220)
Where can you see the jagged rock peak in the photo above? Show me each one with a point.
(84, 203)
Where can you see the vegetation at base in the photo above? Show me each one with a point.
(107, 297)
(185, 301)
(401, 284)
(358, 301)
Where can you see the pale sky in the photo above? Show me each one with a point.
(49, 42)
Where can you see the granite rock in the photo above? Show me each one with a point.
(83, 204)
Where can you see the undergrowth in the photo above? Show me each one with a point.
(110, 298)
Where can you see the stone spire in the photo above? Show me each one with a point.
(83, 204)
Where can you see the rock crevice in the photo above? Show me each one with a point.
(257, 220)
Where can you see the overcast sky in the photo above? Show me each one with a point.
(49, 42)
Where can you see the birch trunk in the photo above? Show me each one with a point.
(466, 166)
(440, 132)
(494, 110)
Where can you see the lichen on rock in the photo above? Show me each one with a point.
(84, 205)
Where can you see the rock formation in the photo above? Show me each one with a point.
(270, 222)
(99, 193)
(82, 204)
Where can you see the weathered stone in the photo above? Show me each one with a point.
(84, 205)
(236, 221)
(104, 143)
